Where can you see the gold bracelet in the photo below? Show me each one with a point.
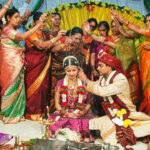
(32, 32)
(53, 40)
(62, 111)
(62, 45)
(6, 6)
(82, 112)
(120, 28)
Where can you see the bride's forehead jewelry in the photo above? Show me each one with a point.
(70, 61)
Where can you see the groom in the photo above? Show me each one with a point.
(121, 123)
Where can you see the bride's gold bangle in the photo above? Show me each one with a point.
(62, 111)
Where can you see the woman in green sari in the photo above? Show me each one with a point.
(13, 97)
(122, 46)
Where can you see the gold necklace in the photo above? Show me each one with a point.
(72, 87)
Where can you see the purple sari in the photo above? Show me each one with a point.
(76, 124)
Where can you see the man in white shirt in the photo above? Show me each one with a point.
(122, 123)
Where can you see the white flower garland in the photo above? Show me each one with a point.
(65, 83)
(67, 134)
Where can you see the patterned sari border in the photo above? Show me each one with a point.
(8, 102)
(14, 74)
(12, 120)
(36, 84)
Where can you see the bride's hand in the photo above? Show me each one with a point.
(80, 114)
(72, 115)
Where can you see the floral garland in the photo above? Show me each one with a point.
(64, 94)
(29, 143)
(116, 112)
(91, 4)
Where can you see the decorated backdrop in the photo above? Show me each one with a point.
(74, 14)
(50, 4)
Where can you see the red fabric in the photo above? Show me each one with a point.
(36, 61)
(87, 39)
(111, 61)
(125, 136)
(62, 39)
(147, 33)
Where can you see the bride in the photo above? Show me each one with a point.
(71, 101)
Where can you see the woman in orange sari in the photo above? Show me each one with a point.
(144, 59)
(38, 60)
(12, 60)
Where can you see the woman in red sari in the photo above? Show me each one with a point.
(71, 44)
(144, 59)
(38, 60)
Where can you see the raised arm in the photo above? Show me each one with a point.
(51, 42)
(25, 17)
(66, 46)
(23, 8)
(111, 89)
(4, 9)
(118, 86)
(110, 44)
(131, 26)
(86, 28)
(25, 35)
(125, 33)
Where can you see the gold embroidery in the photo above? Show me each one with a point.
(11, 99)
(12, 119)
(34, 117)
(35, 85)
